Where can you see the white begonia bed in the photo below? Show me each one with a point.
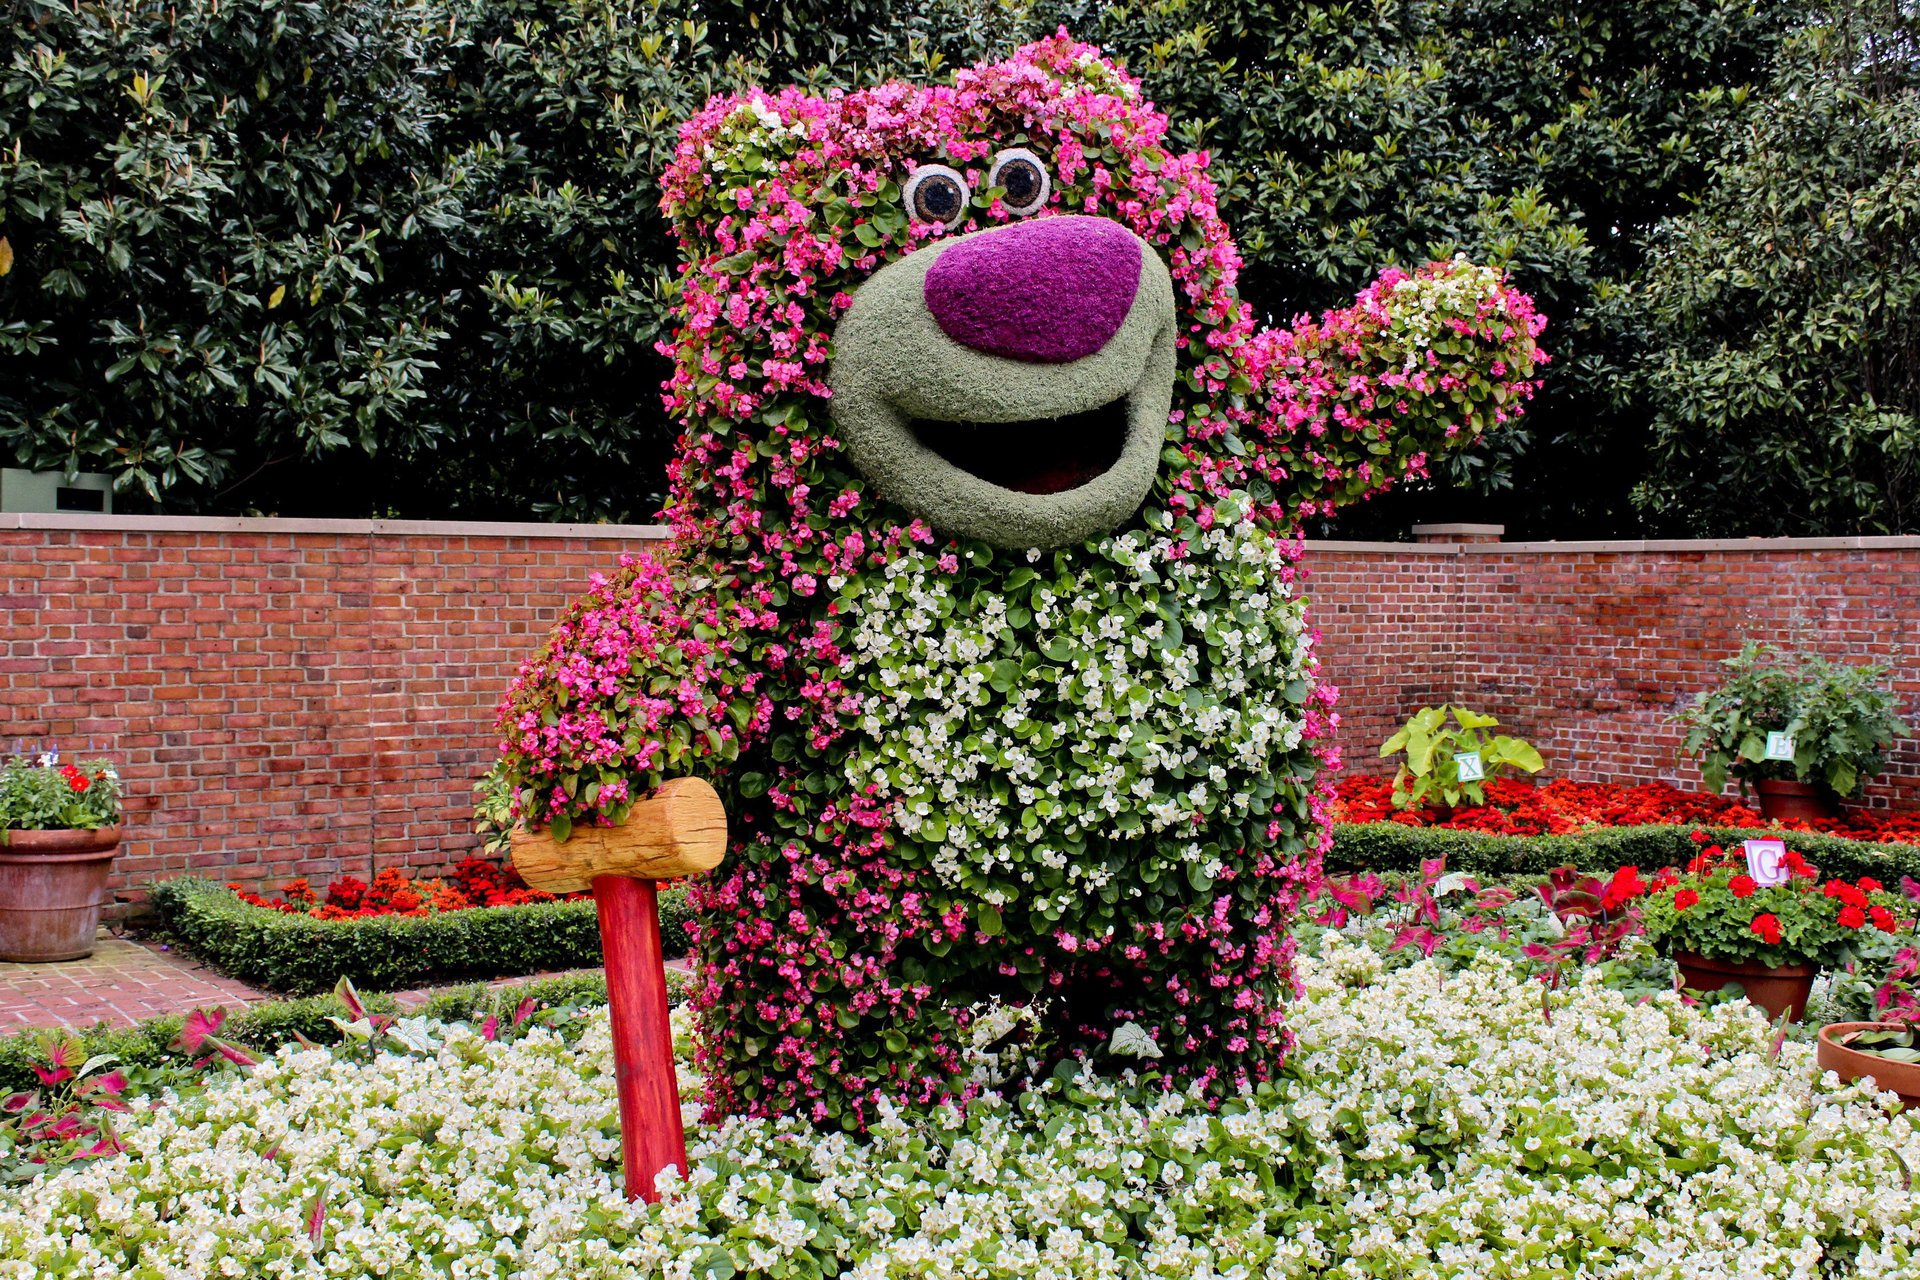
(1441, 1126)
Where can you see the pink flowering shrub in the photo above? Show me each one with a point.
(1086, 777)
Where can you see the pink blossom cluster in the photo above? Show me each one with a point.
(837, 969)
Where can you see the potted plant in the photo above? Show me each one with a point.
(1721, 928)
(1836, 719)
(1889, 1052)
(59, 828)
(1886, 1047)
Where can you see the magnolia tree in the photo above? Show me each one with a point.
(982, 610)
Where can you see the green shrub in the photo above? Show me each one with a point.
(1391, 846)
(302, 955)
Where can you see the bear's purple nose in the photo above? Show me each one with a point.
(1046, 291)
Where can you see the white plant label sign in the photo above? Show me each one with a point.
(1471, 770)
(1767, 861)
(1779, 745)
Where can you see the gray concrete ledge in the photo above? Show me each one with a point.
(75, 523)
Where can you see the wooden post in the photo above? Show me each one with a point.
(651, 1136)
(679, 830)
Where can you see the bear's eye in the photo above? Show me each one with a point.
(1021, 175)
(938, 194)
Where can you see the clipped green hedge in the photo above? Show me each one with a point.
(300, 955)
(268, 1025)
(1390, 846)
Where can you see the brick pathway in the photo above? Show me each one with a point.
(122, 982)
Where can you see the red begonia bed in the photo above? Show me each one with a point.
(1517, 807)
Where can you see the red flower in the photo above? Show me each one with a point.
(1625, 886)
(1848, 894)
(1742, 886)
(1684, 898)
(1882, 919)
(1767, 926)
(1871, 885)
(1852, 917)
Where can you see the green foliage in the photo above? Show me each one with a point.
(1433, 747)
(358, 258)
(1390, 846)
(1896, 1044)
(493, 811)
(1841, 717)
(52, 797)
(303, 955)
(1784, 309)
(402, 256)
(1546, 136)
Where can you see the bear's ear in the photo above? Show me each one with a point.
(1366, 396)
(734, 143)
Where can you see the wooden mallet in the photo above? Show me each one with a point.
(678, 830)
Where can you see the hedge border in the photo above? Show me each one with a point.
(1391, 846)
(300, 955)
(267, 1026)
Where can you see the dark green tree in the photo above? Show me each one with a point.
(1785, 307)
(1545, 135)
(377, 256)
(402, 256)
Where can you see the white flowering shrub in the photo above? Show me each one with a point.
(1043, 740)
(1429, 1125)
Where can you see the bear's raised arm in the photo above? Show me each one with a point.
(638, 683)
(1345, 406)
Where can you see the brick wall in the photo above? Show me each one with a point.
(316, 697)
(284, 697)
(1587, 649)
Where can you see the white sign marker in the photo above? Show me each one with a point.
(1767, 861)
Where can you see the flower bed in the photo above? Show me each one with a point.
(475, 882)
(1393, 846)
(1430, 1124)
(299, 953)
(1523, 808)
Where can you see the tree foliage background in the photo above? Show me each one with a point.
(402, 256)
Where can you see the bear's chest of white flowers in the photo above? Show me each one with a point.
(1026, 735)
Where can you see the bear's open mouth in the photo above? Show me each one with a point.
(1039, 455)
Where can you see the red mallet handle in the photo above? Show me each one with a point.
(650, 1132)
(679, 829)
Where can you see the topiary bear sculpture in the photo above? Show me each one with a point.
(981, 610)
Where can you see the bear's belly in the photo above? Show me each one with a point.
(1084, 726)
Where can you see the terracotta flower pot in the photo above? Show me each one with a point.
(1851, 1064)
(1780, 798)
(52, 886)
(1783, 990)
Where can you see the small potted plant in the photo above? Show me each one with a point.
(59, 829)
(1887, 1047)
(1829, 724)
(1723, 928)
